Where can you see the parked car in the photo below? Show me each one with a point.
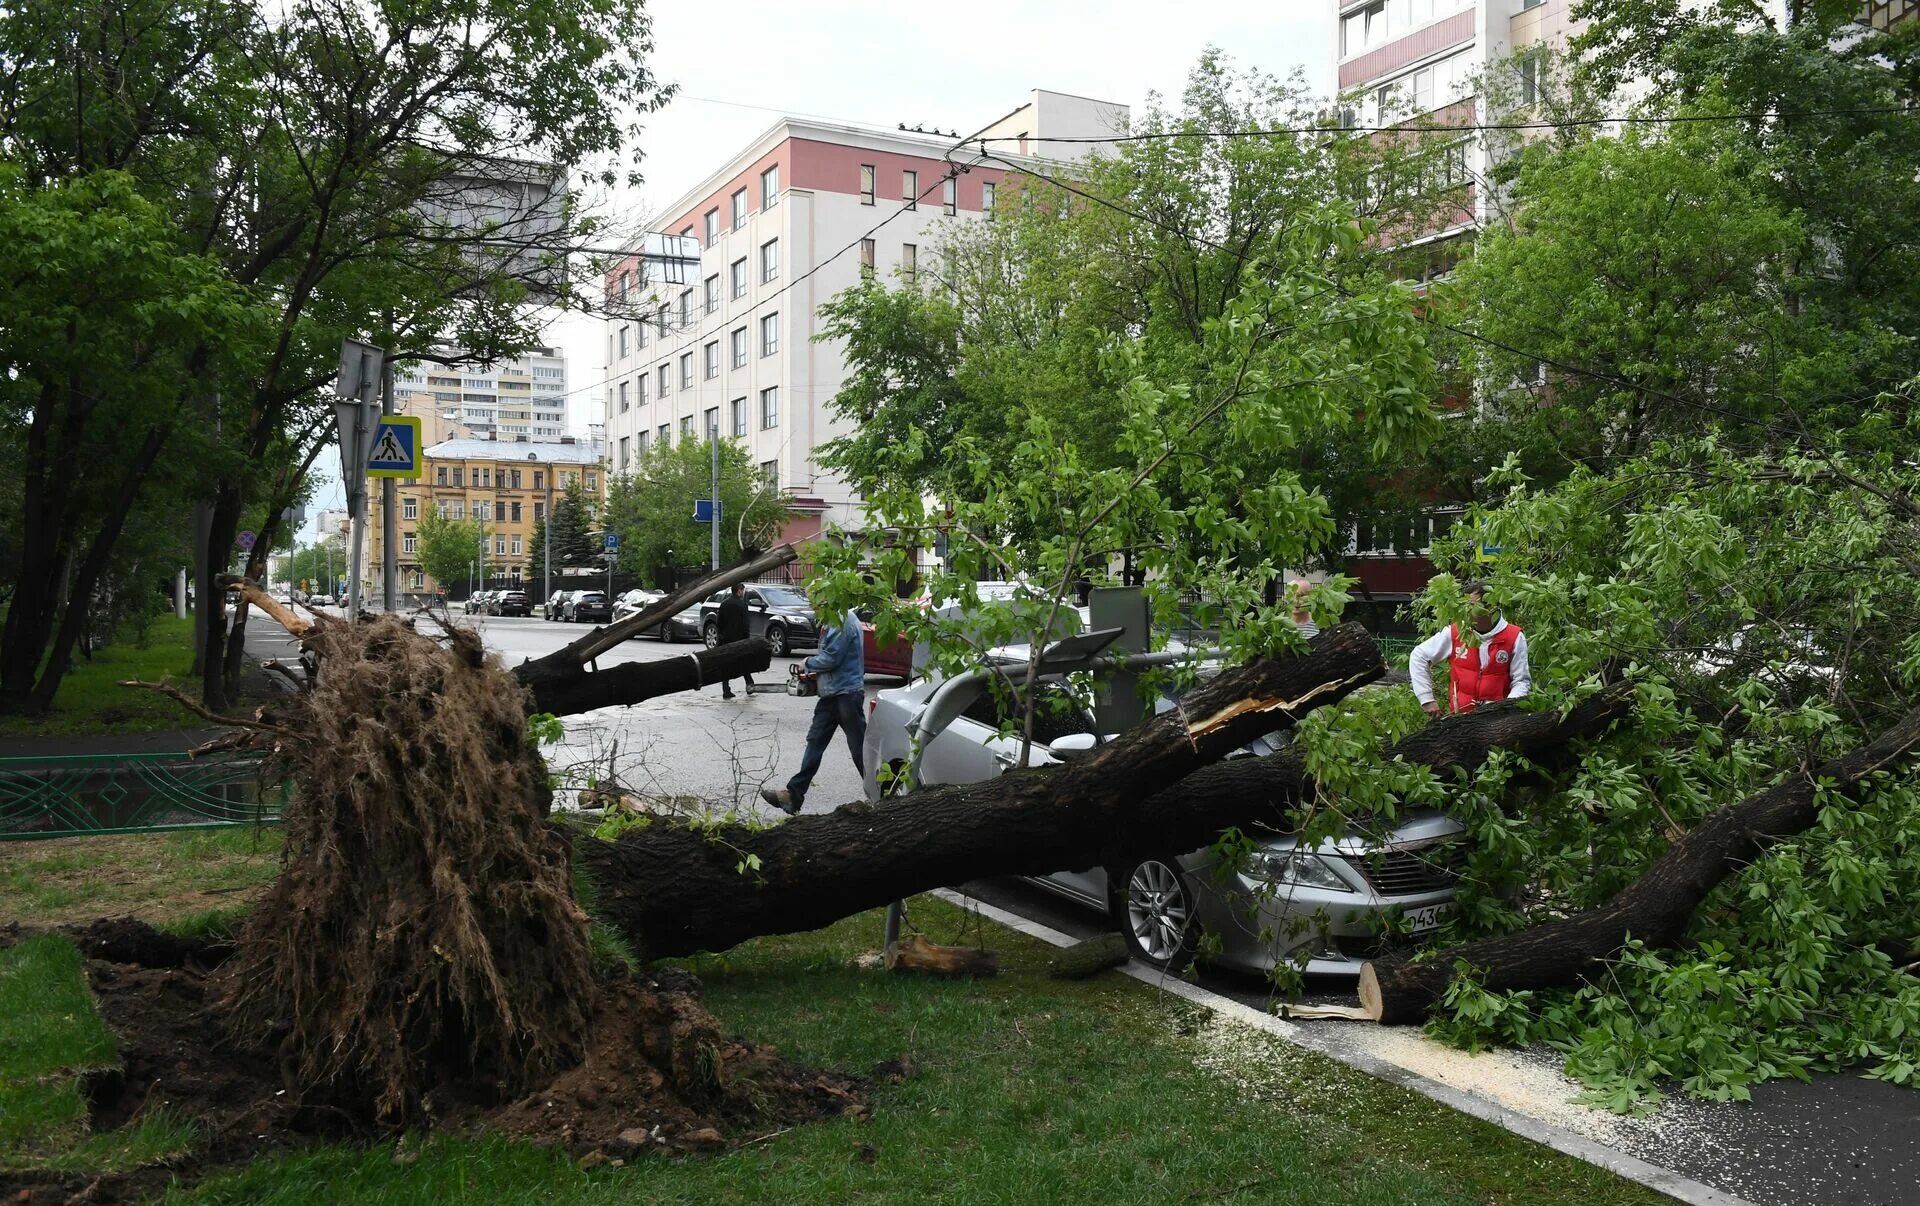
(586, 607)
(510, 603)
(1262, 912)
(775, 611)
(684, 625)
(557, 604)
(476, 604)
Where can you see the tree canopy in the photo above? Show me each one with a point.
(652, 507)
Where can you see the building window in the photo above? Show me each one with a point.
(515, 547)
(770, 187)
(713, 359)
(640, 328)
(739, 338)
(513, 477)
(456, 509)
(666, 382)
(686, 427)
(686, 308)
(624, 450)
(770, 261)
(407, 544)
(770, 408)
(713, 422)
(866, 183)
(740, 278)
(409, 508)
(514, 512)
(499, 546)
(739, 209)
(440, 475)
(660, 321)
(623, 398)
(626, 344)
(866, 257)
(910, 189)
(459, 475)
(646, 387)
(626, 279)
(686, 370)
(1528, 65)
(593, 481)
(986, 197)
(486, 477)
(739, 407)
(769, 337)
(1363, 29)
(665, 436)
(950, 196)
(770, 474)
(713, 293)
(909, 262)
(713, 227)
(539, 479)
(644, 437)
(419, 580)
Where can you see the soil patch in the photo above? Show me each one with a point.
(659, 1076)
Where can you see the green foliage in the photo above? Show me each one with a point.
(652, 507)
(311, 563)
(574, 542)
(449, 550)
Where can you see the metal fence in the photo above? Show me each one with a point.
(133, 793)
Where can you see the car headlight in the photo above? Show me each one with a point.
(1296, 867)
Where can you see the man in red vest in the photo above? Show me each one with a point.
(1492, 667)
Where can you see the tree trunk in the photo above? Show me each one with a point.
(566, 690)
(674, 890)
(222, 528)
(1654, 908)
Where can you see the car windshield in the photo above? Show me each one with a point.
(782, 596)
(593, 597)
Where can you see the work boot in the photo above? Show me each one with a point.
(726, 692)
(782, 799)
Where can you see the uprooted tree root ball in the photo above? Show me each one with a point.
(423, 930)
(420, 960)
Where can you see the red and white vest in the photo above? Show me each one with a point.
(1470, 684)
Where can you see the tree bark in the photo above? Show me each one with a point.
(674, 890)
(1654, 908)
(565, 690)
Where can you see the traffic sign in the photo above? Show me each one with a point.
(613, 542)
(703, 509)
(247, 539)
(396, 448)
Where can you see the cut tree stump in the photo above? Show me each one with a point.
(1089, 958)
(916, 954)
(1654, 908)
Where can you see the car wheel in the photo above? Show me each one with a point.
(1154, 906)
(710, 631)
(777, 639)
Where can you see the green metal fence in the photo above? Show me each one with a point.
(133, 793)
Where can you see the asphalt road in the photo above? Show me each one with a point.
(1841, 1140)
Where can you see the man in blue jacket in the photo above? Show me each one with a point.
(841, 668)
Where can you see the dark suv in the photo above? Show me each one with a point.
(586, 607)
(778, 612)
(510, 603)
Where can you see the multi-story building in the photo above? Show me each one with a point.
(505, 483)
(521, 399)
(715, 314)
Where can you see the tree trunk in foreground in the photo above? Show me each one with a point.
(1654, 908)
(566, 690)
(674, 890)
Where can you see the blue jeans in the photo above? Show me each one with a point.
(846, 711)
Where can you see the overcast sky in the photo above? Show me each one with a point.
(956, 67)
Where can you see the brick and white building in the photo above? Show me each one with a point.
(715, 314)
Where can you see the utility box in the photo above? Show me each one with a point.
(1117, 705)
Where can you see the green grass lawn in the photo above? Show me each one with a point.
(91, 699)
(158, 877)
(1023, 1089)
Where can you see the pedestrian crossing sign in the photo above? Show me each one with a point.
(396, 448)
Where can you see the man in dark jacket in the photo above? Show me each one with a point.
(733, 627)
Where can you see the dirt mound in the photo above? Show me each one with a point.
(658, 1075)
(127, 940)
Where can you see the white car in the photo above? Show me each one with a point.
(1334, 900)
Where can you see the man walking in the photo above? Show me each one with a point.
(1494, 668)
(841, 669)
(732, 621)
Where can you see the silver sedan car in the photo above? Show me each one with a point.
(1335, 901)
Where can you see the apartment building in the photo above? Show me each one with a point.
(522, 399)
(505, 483)
(715, 313)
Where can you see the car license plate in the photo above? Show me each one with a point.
(1427, 917)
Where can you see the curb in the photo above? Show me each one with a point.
(1654, 1177)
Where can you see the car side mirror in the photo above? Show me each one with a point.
(1072, 745)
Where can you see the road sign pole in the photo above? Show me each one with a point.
(389, 551)
(713, 438)
(611, 558)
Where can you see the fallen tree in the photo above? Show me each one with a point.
(1655, 908)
